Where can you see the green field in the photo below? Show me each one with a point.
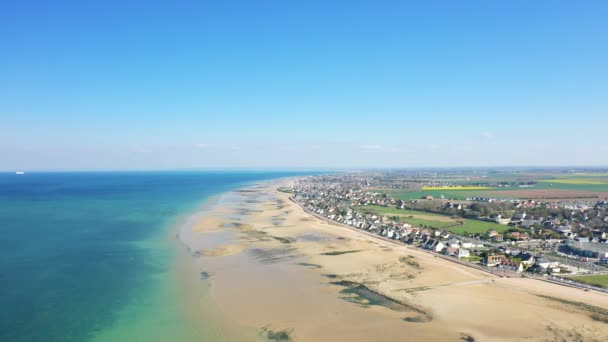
(456, 188)
(596, 280)
(462, 194)
(436, 221)
(447, 194)
(580, 185)
(576, 181)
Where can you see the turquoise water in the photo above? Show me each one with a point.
(84, 253)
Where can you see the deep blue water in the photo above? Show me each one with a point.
(71, 251)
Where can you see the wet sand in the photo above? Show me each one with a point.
(271, 268)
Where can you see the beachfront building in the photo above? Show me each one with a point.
(510, 265)
(545, 264)
(463, 253)
(434, 245)
(494, 260)
(585, 249)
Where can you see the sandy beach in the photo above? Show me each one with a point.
(275, 269)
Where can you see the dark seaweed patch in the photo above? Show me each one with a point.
(313, 237)
(330, 276)
(340, 252)
(282, 239)
(410, 262)
(596, 313)
(274, 255)
(417, 319)
(467, 337)
(305, 264)
(362, 295)
(277, 336)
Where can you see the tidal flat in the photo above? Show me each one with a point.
(295, 277)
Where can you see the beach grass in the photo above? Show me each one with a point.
(600, 280)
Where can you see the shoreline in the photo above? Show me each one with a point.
(290, 259)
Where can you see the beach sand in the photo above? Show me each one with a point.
(270, 266)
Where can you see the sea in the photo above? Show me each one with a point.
(87, 256)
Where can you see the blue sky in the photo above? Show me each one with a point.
(302, 84)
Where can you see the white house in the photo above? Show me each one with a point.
(439, 247)
(463, 253)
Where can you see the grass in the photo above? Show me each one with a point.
(577, 180)
(473, 258)
(477, 227)
(447, 193)
(584, 186)
(600, 280)
(467, 188)
(458, 188)
(592, 174)
(436, 221)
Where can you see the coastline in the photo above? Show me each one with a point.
(276, 270)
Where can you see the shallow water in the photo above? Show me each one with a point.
(92, 255)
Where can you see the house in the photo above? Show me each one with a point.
(453, 242)
(498, 218)
(529, 222)
(564, 228)
(519, 216)
(463, 253)
(434, 245)
(451, 251)
(493, 260)
(510, 265)
(497, 238)
(439, 247)
(526, 258)
(520, 236)
(545, 264)
(456, 206)
(466, 244)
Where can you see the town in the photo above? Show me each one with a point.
(546, 239)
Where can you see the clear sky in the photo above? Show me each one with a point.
(337, 84)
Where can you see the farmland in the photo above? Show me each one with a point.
(456, 188)
(596, 280)
(456, 225)
(581, 181)
(563, 186)
(447, 193)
